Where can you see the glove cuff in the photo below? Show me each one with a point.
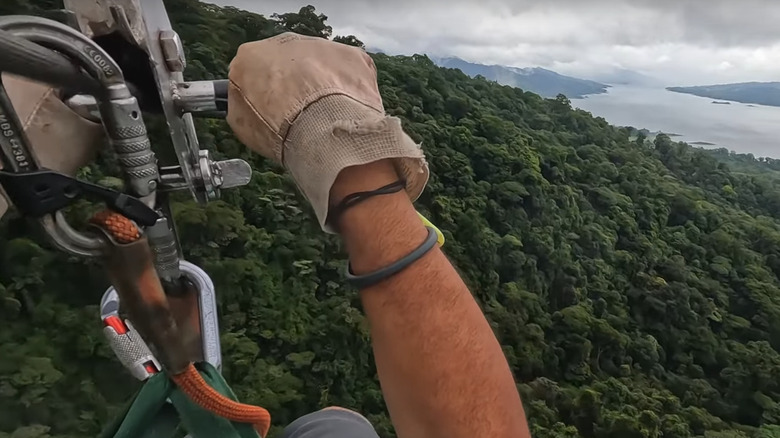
(337, 132)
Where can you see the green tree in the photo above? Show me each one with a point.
(306, 22)
(349, 40)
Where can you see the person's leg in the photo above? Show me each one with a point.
(331, 423)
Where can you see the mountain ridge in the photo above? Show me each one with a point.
(624, 76)
(546, 83)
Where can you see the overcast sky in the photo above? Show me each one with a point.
(681, 42)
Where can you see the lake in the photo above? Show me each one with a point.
(738, 127)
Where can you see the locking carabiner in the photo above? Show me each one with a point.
(123, 124)
(195, 310)
(128, 345)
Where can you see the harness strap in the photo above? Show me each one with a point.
(160, 408)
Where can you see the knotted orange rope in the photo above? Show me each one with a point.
(190, 381)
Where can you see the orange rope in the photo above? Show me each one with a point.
(122, 229)
(190, 381)
(192, 384)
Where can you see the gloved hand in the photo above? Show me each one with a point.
(314, 106)
(60, 139)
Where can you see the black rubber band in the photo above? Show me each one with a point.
(356, 198)
(372, 278)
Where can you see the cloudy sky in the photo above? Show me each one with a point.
(681, 42)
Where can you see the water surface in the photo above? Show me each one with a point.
(739, 127)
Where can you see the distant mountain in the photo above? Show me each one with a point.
(761, 93)
(544, 82)
(622, 76)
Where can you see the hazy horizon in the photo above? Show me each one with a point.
(678, 42)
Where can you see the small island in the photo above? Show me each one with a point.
(634, 133)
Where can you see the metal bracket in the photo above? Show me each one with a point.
(150, 26)
(145, 24)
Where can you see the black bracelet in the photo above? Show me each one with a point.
(356, 198)
(372, 278)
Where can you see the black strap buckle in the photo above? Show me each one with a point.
(43, 192)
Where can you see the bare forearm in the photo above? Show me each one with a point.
(442, 371)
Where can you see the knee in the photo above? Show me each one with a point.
(331, 422)
(338, 408)
(348, 411)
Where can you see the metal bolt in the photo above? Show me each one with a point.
(173, 51)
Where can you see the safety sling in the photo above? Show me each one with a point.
(160, 409)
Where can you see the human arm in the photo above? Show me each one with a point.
(314, 106)
(441, 369)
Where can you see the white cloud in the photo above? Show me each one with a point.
(680, 41)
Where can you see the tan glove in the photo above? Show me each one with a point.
(59, 138)
(314, 106)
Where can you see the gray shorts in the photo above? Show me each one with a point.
(330, 423)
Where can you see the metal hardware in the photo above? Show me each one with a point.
(210, 180)
(179, 322)
(173, 51)
(15, 151)
(147, 21)
(202, 97)
(42, 192)
(165, 250)
(70, 240)
(199, 98)
(206, 324)
(128, 345)
(119, 111)
(130, 268)
(86, 106)
(233, 173)
(211, 350)
(217, 175)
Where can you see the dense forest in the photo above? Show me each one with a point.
(633, 284)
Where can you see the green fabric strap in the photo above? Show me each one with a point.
(159, 408)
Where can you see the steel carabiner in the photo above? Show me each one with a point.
(195, 312)
(121, 117)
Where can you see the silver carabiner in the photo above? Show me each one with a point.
(120, 113)
(133, 355)
(128, 345)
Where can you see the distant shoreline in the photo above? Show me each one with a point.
(754, 93)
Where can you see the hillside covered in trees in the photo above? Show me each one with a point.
(633, 284)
